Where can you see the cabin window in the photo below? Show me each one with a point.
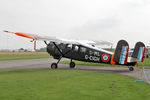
(82, 49)
(91, 52)
(62, 46)
(76, 48)
(69, 46)
(52, 46)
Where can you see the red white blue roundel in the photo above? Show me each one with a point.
(105, 57)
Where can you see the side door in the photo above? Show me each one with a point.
(82, 52)
(74, 54)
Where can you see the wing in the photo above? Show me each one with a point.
(85, 43)
(43, 38)
(98, 43)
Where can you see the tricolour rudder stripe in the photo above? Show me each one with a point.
(139, 51)
(121, 52)
(143, 54)
(124, 55)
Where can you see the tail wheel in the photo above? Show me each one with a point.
(54, 65)
(131, 69)
(72, 65)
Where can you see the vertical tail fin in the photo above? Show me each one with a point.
(121, 52)
(139, 51)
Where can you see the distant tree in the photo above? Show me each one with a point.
(21, 49)
(25, 50)
(41, 50)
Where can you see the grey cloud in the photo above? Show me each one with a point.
(138, 3)
(98, 25)
(78, 19)
(101, 23)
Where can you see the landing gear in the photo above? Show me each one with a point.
(72, 64)
(131, 69)
(61, 54)
(54, 66)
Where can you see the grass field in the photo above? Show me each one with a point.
(43, 84)
(23, 55)
(145, 63)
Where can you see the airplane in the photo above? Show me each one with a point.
(87, 51)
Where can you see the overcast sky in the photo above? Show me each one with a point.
(109, 20)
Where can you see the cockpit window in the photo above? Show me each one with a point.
(76, 48)
(69, 46)
(52, 46)
(62, 46)
(90, 52)
(82, 49)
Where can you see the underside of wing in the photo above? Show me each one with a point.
(100, 42)
(86, 43)
(43, 38)
(61, 40)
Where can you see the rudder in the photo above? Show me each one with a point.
(139, 51)
(121, 52)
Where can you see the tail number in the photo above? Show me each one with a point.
(92, 58)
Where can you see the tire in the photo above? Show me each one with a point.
(54, 66)
(72, 65)
(147, 56)
(131, 69)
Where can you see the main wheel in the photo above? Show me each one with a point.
(131, 68)
(72, 65)
(54, 66)
(147, 56)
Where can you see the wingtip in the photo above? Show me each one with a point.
(5, 31)
(9, 32)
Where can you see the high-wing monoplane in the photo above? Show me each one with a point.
(87, 51)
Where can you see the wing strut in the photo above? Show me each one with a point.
(62, 54)
(58, 49)
(54, 65)
(67, 52)
(45, 42)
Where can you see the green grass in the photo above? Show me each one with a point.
(145, 63)
(19, 56)
(43, 84)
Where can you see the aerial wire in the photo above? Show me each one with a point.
(145, 75)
